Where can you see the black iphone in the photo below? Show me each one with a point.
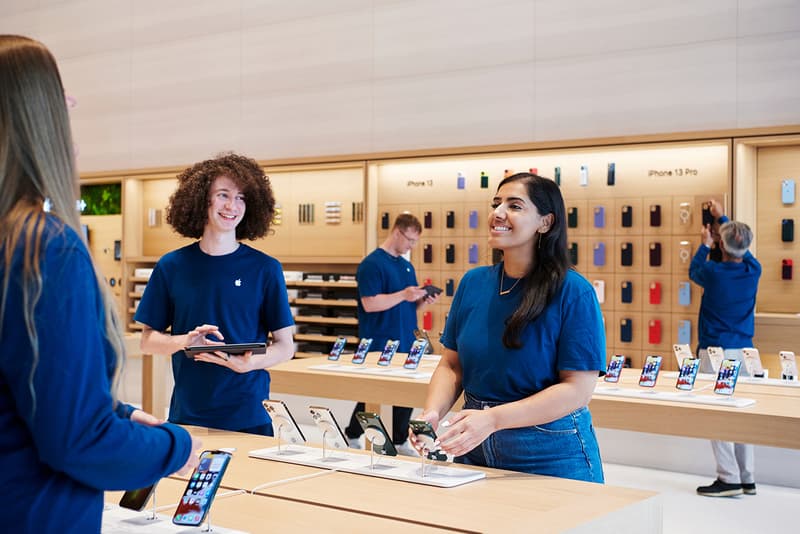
(376, 432)
(136, 499)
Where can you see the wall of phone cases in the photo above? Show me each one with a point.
(634, 215)
(778, 212)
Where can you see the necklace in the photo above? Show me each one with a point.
(502, 277)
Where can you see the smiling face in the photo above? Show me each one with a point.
(514, 220)
(226, 205)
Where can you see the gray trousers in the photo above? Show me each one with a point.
(735, 461)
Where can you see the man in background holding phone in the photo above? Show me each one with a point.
(388, 299)
(727, 319)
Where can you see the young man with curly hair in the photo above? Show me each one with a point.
(219, 289)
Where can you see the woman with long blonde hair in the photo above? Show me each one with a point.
(64, 436)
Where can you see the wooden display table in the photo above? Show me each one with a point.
(773, 420)
(329, 501)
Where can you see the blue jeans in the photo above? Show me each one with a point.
(565, 448)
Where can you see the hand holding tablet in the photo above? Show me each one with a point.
(231, 349)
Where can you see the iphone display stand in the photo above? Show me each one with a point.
(207, 527)
(153, 516)
(282, 422)
(674, 396)
(427, 446)
(375, 437)
(403, 469)
(361, 369)
(327, 429)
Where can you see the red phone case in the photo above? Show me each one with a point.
(655, 293)
(654, 332)
(427, 321)
(786, 269)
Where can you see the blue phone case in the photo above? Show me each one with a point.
(685, 332)
(626, 330)
(461, 182)
(787, 191)
(599, 258)
(473, 219)
(685, 294)
(626, 292)
(473, 253)
(599, 217)
(449, 287)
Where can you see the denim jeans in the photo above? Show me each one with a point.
(565, 448)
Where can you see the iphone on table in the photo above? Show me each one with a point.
(652, 365)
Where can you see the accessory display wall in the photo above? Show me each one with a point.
(777, 165)
(638, 263)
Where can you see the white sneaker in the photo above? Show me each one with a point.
(405, 449)
(356, 443)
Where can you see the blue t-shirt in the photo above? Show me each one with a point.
(381, 273)
(56, 460)
(244, 294)
(567, 336)
(727, 309)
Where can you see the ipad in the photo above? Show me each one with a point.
(234, 349)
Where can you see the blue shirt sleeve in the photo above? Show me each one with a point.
(582, 343)
(155, 308)
(73, 425)
(697, 268)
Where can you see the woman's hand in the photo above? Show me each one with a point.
(193, 459)
(144, 418)
(466, 430)
(429, 416)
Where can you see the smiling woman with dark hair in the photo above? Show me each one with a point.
(524, 342)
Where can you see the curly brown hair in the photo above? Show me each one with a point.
(188, 206)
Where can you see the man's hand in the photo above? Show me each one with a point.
(706, 236)
(716, 209)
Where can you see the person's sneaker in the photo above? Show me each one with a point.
(356, 443)
(720, 489)
(749, 489)
(405, 449)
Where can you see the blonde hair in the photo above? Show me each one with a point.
(37, 164)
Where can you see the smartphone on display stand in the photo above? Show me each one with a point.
(788, 365)
(388, 352)
(752, 362)
(326, 422)
(681, 352)
(376, 433)
(726, 377)
(687, 373)
(201, 489)
(361, 352)
(652, 365)
(283, 424)
(137, 499)
(614, 368)
(338, 347)
(426, 436)
(415, 353)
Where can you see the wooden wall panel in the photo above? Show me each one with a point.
(776, 164)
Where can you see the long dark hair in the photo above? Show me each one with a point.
(551, 261)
